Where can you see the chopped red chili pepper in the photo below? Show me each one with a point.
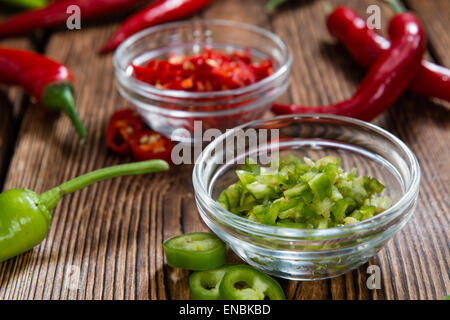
(122, 125)
(147, 145)
(209, 70)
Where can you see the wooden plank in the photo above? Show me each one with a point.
(106, 241)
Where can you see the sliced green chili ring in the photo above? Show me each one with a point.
(204, 285)
(195, 251)
(246, 283)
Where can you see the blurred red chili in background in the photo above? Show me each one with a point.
(55, 14)
(388, 77)
(156, 13)
(366, 45)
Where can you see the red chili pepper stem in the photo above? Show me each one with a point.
(396, 6)
(328, 8)
(272, 5)
(59, 97)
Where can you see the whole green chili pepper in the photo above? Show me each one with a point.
(25, 216)
(25, 4)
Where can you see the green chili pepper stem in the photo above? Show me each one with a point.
(328, 8)
(26, 4)
(273, 4)
(51, 197)
(59, 97)
(396, 6)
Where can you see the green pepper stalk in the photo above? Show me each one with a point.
(60, 97)
(272, 5)
(25, 4)
(48, 81)
(25, 216)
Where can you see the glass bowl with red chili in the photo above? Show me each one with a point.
(202, 74)
(295, 235)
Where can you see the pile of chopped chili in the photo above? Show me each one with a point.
(207, 71)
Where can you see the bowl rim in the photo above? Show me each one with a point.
(137, 85)
(230, 219)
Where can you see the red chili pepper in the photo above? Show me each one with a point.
(147, 145)
(48, 81)
(122, 125)
(366, 45)
(55, 14)
(388, 77)
(156, 13)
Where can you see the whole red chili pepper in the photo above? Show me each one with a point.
(156, 13)
(55, 14)
(388, 77)
(48, 81)
(366, 45)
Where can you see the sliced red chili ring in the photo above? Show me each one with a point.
(147, 145)
(122, 126)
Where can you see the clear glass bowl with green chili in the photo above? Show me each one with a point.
(286, 242)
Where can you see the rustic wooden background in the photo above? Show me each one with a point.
(106, 241)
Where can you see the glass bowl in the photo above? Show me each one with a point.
(305, 254)
(168, 110)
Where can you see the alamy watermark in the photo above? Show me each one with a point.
(72, 277)
(261, 145)
(374, 280)
(74, 20)
(374, 19)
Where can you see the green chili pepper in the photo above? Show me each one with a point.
(243, 282)
(25, 216)
(204, 285)
(195, 251)
(25, 4)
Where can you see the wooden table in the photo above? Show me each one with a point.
(105, 241)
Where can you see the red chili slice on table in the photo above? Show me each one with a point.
(122, 126)
(147, 144)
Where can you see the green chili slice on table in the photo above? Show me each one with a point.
(195, 251)
(246, 283)
(204, 285)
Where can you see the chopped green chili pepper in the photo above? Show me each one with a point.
(204, 285)
(304, 193)
(195, 251)
(243, 282)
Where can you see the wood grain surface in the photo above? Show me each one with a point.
(106, 241)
